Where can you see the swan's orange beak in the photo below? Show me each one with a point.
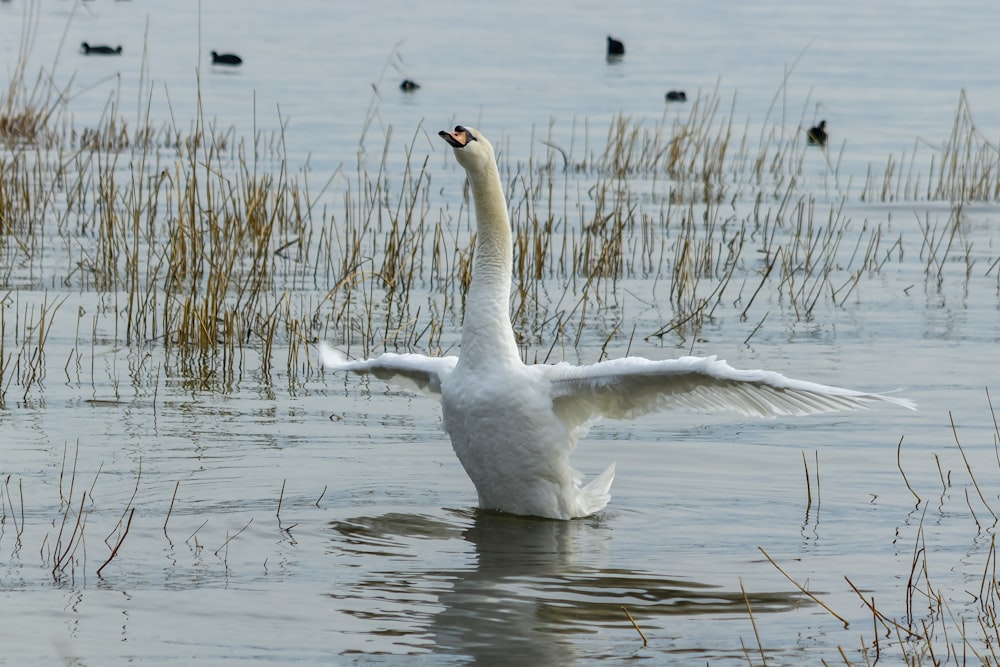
(460, 138)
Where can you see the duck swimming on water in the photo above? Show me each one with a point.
(230, 59)
(514, 425)
(817, 135)
(100, 50)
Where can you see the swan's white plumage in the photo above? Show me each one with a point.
(414, 372)
(513, 426)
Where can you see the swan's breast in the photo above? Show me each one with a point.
(501, 422)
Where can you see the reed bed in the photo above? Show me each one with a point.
(964, 168)
(214, 254)
(85, 531)
(931, 623)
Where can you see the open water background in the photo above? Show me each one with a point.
(326, 520)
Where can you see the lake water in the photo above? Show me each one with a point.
(268, 512)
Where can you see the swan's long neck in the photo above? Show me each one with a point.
(487, 337)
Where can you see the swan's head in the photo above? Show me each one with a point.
(472, 150)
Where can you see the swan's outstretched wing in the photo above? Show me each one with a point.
(625, 388)
(413, 372)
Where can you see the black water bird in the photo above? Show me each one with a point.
(677, 96)
(226, 59)
(817, 135)
(408, 86)
(615, 47)
(100, 50)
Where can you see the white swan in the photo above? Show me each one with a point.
(513, 426)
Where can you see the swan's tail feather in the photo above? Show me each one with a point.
(597, 494)
(330, 357)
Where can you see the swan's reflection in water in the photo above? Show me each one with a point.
(500, 589)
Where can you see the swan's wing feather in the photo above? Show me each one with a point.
(625, 388)
(413, 372)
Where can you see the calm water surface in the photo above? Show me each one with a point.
(324, 520)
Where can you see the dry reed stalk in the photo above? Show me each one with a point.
(63, 555)
(28, 367)
(130, 510)
(879, 616)
(118, 544)
(899, 464)
(968, 467)
(230, 538)
(170, 510)
(645, 642)
(753, 623)
(804, 591)
(809, 495)
(18, 525)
